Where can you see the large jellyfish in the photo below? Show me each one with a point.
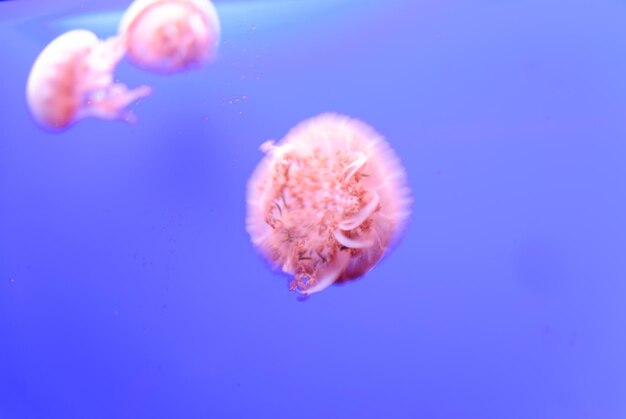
(72, 79)
(326, 202)
(169, 36)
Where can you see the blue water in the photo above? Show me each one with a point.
(129, 288)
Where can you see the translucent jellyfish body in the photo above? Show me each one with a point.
(327, 202)
(168, 36)
(72, 79)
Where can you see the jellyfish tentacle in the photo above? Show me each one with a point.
(103, 57)
(362, 215)
(102, 98)
(307, 284)
(351, 169)
(351, 243)
(268, 146)
(111, 102)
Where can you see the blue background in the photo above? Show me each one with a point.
(129, 288)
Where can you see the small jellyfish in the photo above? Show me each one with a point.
(72, 79)
(169, 36)
(327, 202)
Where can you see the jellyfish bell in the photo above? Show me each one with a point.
(72, 78)
(169, 36)
(327, 202)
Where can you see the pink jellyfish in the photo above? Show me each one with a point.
(168, 36)
(72, 79)
(327, 201)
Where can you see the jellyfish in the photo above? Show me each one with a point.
(72, 79)
(169, 36)
(327, 202)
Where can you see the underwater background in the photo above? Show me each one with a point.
(128, 284)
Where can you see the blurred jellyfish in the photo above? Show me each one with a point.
(72, 79)
(327, 201)
(169, 36)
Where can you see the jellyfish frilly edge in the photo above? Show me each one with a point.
(72, 79)
(327, 202)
